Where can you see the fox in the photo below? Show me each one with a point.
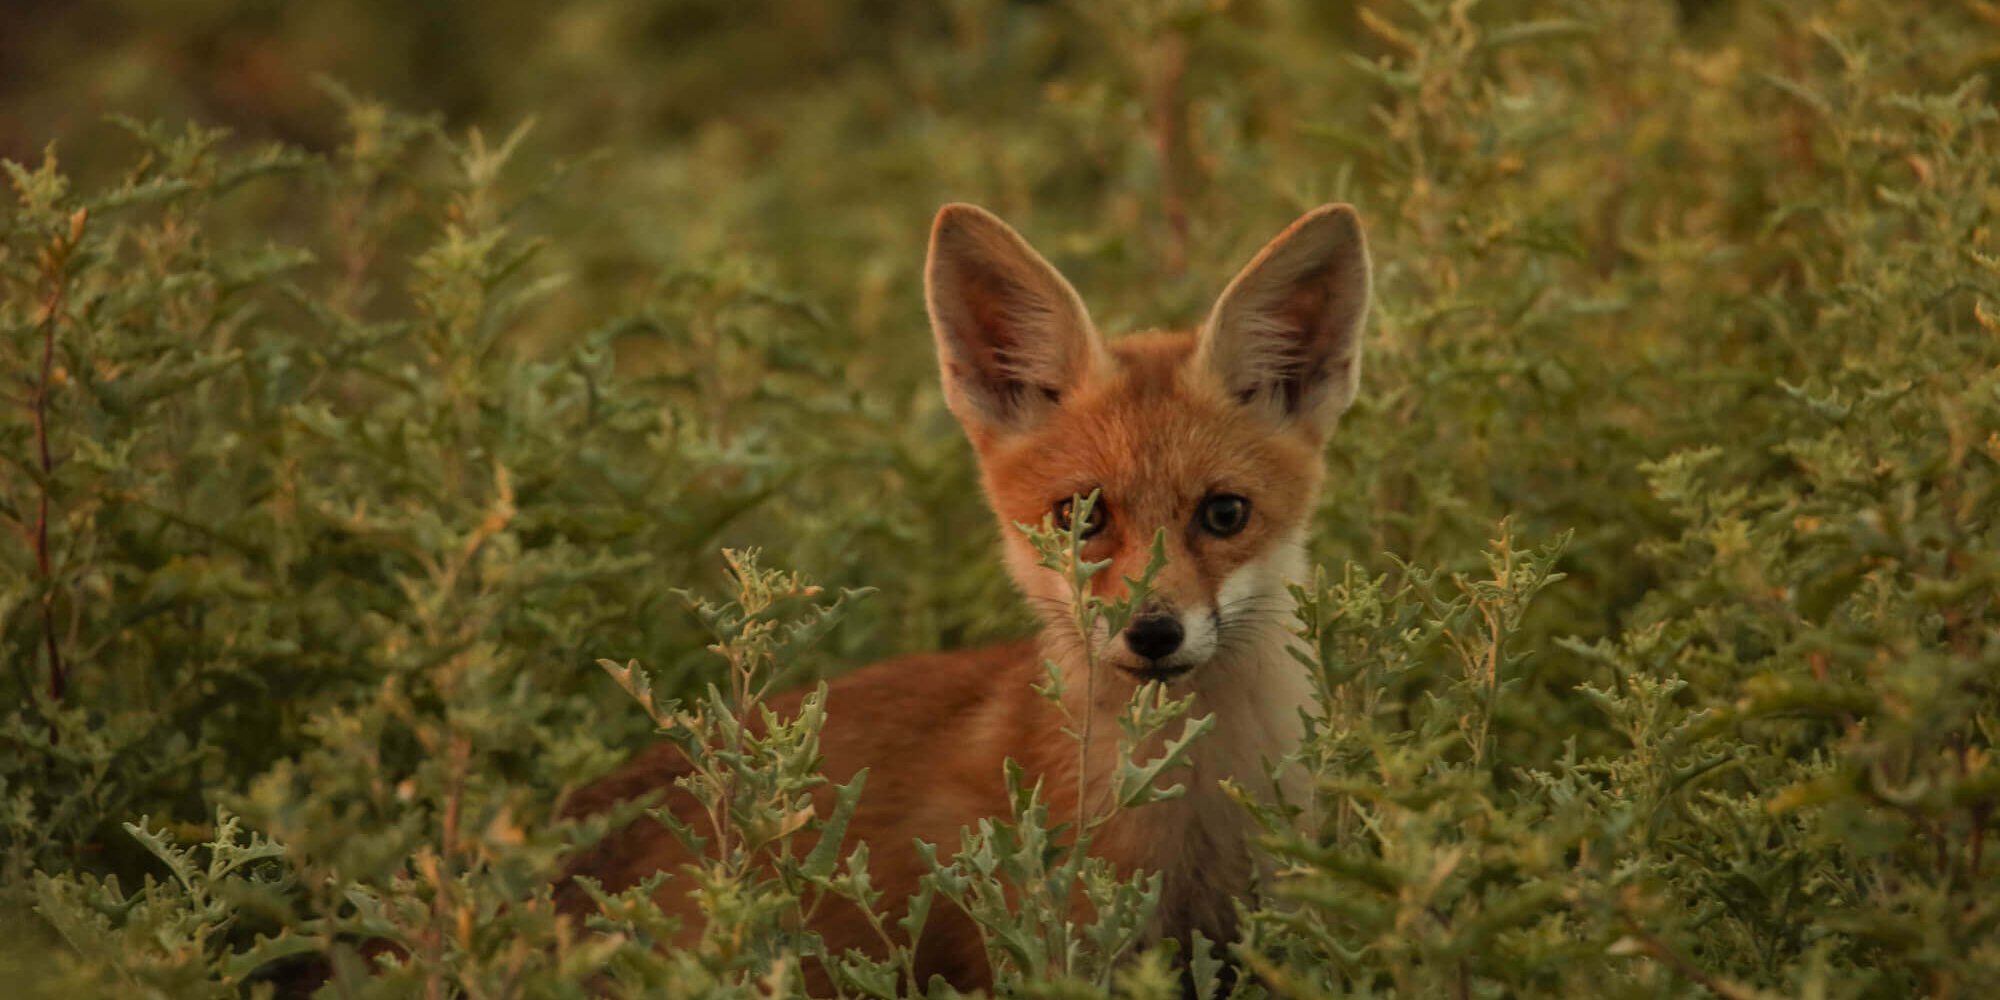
(1210, 438)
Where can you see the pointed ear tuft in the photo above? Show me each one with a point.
(1012, 336)
(1286, 333)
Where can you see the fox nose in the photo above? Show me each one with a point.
(1154, 636)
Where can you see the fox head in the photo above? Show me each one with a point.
(1214, 436)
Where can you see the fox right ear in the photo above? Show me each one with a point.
(1012, 335)
(1286, 334)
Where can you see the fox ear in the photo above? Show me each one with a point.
(1012, 336)
(1286, 333)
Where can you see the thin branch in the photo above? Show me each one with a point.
(1665, 953)
(56, 273)
(1170, 141)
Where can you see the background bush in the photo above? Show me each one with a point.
(339, 446)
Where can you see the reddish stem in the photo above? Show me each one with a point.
(1170, 143)
(58, 276)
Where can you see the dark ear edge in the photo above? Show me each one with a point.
(1285, 335)
(1012, 335)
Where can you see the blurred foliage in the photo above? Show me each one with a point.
(339, 445)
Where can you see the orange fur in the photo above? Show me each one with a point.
(1156, 423)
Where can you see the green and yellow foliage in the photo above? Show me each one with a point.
(1657, 629)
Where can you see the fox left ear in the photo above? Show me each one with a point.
(1286, 333)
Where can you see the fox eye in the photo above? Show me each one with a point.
(1064, 511)
(1223, 514)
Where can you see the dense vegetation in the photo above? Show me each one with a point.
(1658, 623)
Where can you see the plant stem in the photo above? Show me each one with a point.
(57, 274)
(1084, 625)
(1169, 106)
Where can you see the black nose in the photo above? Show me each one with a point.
(1154, 636)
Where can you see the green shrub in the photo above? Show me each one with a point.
(332, 472)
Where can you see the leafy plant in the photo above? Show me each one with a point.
(338, 448)
(1052, 915)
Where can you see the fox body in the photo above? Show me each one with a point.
(1213, 436)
